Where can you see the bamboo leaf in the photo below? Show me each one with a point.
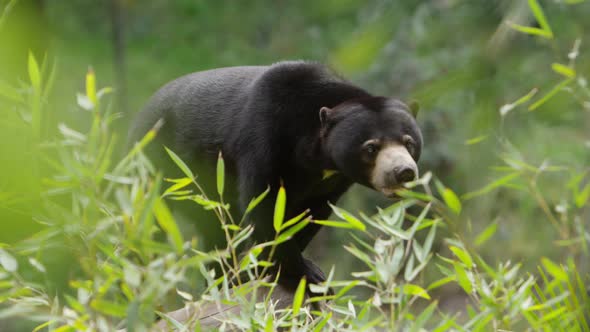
(498, 183)
(415, 290)
(486, 234)
(178, 184)
(109, 308)
(582, 197)
(352, 220)
(421, 320)
(563, 70)
(294, 220)
(540, 16)
(463, 256)
(34, 73)
(530, 30)
(255, 201)
(449, 197)
(441, 282)
(335, 224)
(183, 167)
(286, 235)
(555, 270)
(168, 224)
(299, 296)
(220, 174)
(429, 240)
(91, 86)
(280, 206)
(509, 107)
(462, 278)
(7, 261)
(320, 325)
(476, 140)
(550, 94)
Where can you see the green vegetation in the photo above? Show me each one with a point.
(500, 225)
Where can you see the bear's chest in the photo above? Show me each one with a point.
(316, 187)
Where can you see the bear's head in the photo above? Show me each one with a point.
(372, 141)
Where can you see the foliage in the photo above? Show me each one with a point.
(106, 218)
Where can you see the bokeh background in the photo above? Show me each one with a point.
(459, 59)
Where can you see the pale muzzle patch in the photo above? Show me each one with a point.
(393, 166)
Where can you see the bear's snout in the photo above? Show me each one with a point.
(393, 167)
(403, 174)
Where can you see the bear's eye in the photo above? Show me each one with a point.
(408, 143)
(371, 147)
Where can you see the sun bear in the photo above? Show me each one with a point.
(286, 124)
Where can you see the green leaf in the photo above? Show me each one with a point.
(294, 220)
(109, 308)
(421, 320)
(143, 210)
(476, 140)
(429, 240)
(299, 296)
(498, 183)
(280, 206)
(530, 30)
(452, 200)
(320, 326)
(463, 256)
(462, 278)
(408, 272)
(445, 325)
(509, 107)
(220, 174)
(563, 70)
(34, 73)
(206, 203)
(556, 314)
(545, 30)
(335, 224)
(286, 235)
(486, 234)
(168, 224)
(582, 197)
(540, 16)
(441, 282)
(550, 94)
(555, 270)
(91, 86)
(183, 167)
(269, 326)
(360, 254)
(255, 201)
(178, 184)
(352, 220)
(449, 197)
(8, 261)
(415, 290)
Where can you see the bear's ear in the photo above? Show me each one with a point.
(414, 107)
(325, 115)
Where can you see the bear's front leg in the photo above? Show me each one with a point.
(287, 257)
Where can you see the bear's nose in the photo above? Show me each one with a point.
(405, 174)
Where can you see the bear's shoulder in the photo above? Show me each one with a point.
(296, 73)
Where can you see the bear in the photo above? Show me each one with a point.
(286, 124)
